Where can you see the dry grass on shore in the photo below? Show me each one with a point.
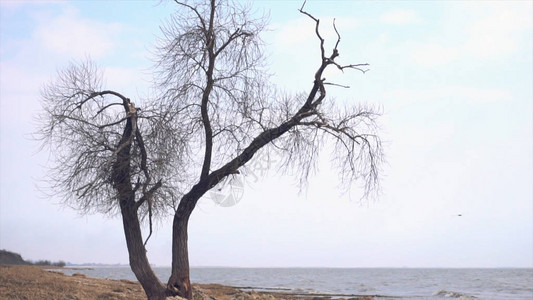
(33, 282)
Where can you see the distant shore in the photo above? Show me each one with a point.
(35, 282)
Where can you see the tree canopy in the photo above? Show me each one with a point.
(215, 109)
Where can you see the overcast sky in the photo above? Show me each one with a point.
(454, 80)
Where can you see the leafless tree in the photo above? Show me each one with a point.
(110, 156)
(214, 112)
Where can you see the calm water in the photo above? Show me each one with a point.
(402, 283)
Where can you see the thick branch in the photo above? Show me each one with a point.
(189, 200)
(103, 93)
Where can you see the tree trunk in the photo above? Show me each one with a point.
(140, 266)
(179, 281)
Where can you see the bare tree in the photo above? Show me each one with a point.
(110, 156)
(215, 111)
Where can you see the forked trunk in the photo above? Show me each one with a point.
(140, 266)
(179, 281)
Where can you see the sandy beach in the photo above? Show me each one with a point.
(33, 282)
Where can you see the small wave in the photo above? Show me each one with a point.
(451, 294)
(255, 288)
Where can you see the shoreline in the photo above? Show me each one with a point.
(39, 282)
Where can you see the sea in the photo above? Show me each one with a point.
(400, 283)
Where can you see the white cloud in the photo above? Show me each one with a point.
(17, 4)
(131, 82)
(433, 54)
(493, 32)
(400, 17)
(303, 29)
(16, 80)
(476, 95)
(463, 94)
(69, 34)
(295, 31)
